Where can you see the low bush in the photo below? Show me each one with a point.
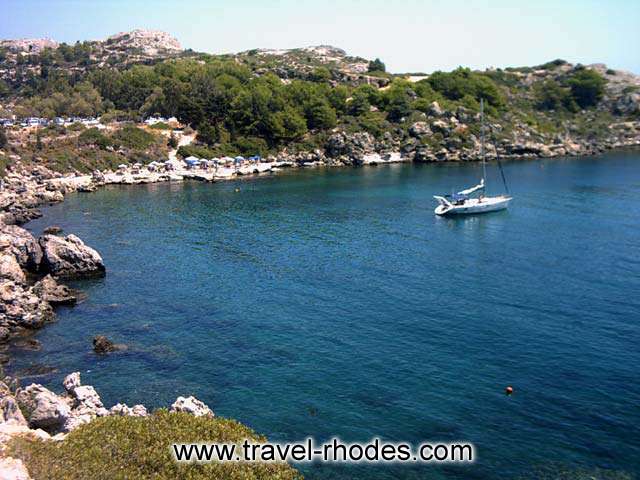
(140, 448)
(94, 136)
(133, 137)
(161, 126)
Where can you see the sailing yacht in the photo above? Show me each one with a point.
(463, 203)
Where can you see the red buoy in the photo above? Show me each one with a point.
(508, 390)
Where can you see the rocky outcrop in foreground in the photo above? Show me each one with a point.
(23, 190)
(69, 257)
(27, 297)
(38, 412)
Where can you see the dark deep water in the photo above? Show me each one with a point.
(333, 302)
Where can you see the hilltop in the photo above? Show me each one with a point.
(311, 103)
(20, 59)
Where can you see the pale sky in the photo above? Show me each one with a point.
(408, 35)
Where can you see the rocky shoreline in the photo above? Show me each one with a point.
(29, 272)
(31, 268)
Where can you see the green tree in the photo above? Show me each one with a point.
(399, 108)
(337, 97)
(462, 81)
(321, 74)
(399, 97)
(550, 95)
(320, 115)
(154, 103)
(587, 87)
(377, 66)
(208, 134)
(173, 141)
(359, 103)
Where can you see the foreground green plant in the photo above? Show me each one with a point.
(140, 448)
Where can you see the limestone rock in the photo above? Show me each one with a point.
(102, 344)
(86, 397)
(440, 126)
(43, 408)
(435, 110)
(352, 146)
(191, 405)
(75, 420)
(71, 381)
(149, 42)
(31, 45)
(10, 269)
(23, 245)
(13, 469)
(56, 294)
(419, 129)
(123, 410)
(21, 307)
(53, 230)
(69, 257)
(628, 104)
(10, 411)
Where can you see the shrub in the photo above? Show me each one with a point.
(587, 87)
(119, 116)
(94, 136)
(320, 115)
(139, 448)
(3, 138)
(321, 74)
(462, 81)
(76, 127)
(374, 123)
(160, 126)
(550, 95)
(251, 146)
(131, 136)
(377, 66)
(196, 151)
(359, 104)
(552, 64)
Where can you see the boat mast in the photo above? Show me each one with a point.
(482, 153)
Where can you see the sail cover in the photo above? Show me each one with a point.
(469, 191)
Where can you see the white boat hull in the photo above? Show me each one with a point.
(474, 205)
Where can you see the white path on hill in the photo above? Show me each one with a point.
(184, 140)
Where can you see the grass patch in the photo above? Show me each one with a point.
(140, 448)
(161, 126)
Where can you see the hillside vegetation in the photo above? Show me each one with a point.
(264, 101)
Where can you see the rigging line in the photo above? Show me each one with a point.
(504, 180)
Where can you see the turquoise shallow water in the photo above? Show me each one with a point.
(334, 302)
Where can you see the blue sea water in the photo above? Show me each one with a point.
(334, 303)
